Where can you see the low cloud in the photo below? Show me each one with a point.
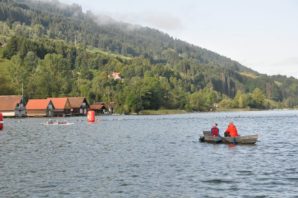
(101, 19)
(154, 20)
(162, 21)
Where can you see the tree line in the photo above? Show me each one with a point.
(48, 68)
(43, 49)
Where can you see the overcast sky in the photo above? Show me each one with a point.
(260, 34)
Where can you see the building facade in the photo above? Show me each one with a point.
(12, 106)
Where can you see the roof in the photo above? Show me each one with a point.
(116, 75)
(8, 103)
(97, 106)
(60, 103)
(76, 102)
(37, 104)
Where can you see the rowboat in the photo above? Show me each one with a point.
(246, 139)
(56, 122)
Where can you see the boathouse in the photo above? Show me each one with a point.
(40, 108)
(79, 105)
(12, 106)
(99, 107)
(62, 106)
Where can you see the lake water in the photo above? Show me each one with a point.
(149, 156)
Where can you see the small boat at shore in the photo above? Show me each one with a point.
(58, 122)
(246, 139)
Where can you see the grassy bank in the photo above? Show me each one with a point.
(178, 111)
(162, 112)
(235, 109)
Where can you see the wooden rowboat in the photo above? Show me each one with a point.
(246, 139)
(56, 122)
(207, 137)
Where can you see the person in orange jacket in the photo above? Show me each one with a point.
(231, 131)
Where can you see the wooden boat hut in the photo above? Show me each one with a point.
(12, 106)
(99, 107)
(40, 108)
(79, 105)
(62, 106)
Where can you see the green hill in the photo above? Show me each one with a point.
(58, 50)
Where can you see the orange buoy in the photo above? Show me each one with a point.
(91, 116)
(1, 121)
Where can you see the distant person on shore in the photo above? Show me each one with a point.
(231, 131)
(215, 130)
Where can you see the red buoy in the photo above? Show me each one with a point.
(91, 116)
(1, 121)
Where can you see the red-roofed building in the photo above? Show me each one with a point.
(12, 106)
(40, 108)
(116, 76)
(62, 106)
(79, 105)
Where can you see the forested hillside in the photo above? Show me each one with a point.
(57, 50)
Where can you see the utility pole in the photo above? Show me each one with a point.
(75, 40)
(22, 89)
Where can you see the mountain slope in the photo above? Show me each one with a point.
(55, 49)
(71, 24)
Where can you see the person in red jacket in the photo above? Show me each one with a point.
(231, 131)
(214, 130)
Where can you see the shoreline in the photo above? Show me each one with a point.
(175, 111)
(163, 112)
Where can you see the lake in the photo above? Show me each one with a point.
(149, 156)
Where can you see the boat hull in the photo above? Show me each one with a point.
(247, 139)
(55, 122)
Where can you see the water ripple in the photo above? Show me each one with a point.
(149, 156)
